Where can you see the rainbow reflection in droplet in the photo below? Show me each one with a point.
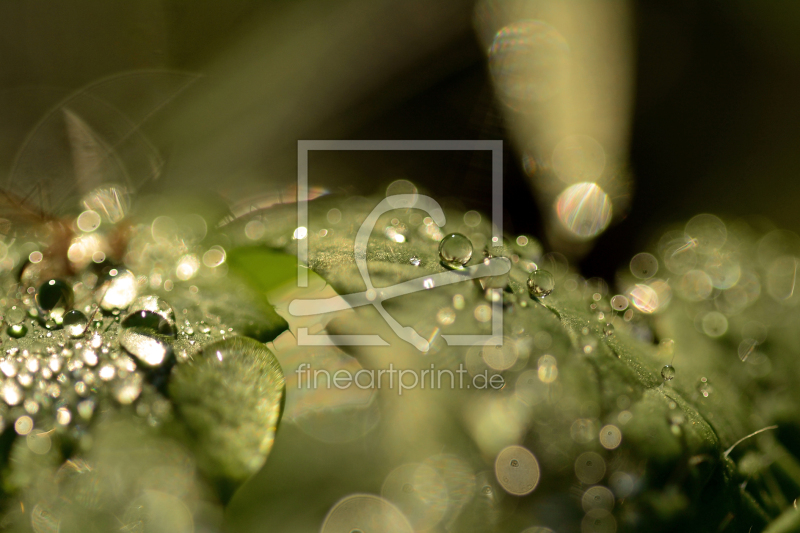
(584, 209)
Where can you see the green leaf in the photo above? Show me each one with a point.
(673, 437)
(230, 398)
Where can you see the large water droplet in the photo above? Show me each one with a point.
(668, 372)
(148, 347)
(455, 251)
(237, 407)
(541, 283)
(153, 313)
(17, 330)
(54, 296)
(118, 291)
(75, 323)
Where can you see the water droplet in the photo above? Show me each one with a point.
(17, 331)
(54, 297)
(541, 283)
(414, 260)
(608, 329)
(151, 312)
(149, 348)
(118, 291)
(668, 372)
(644, 266)
(75, 323)
(455, 250)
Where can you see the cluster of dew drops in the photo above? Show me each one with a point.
(69, 345)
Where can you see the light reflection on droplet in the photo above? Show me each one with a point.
(254, 230)
(598, 497)
(500, 357)
(547, 369)
(300, 233)
(714, 324)
(708, 230)
(782, 280)
(590, 468)
(483, 313)
(419, 492)
(598, 521)
(366, 513)
(610, 437)
(644, 265)
(584, 209)
(214, 257)
(88, 221)
(118, 291)
(23, 425)
(517, 470)
(401, 187)
(695, 286)
(187, 267)
(38, 441)
(644, 298)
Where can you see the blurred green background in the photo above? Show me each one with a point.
(716, 121)
(715, 125)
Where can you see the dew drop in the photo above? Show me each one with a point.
(148, 347)
(668, 372)
(455, 251)
(414, 260)
(17, 331)
(118, 291)
(608, 330)
(15, 315)
(541, 283)
(75, 323)
(151, 312)
(54, 296)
